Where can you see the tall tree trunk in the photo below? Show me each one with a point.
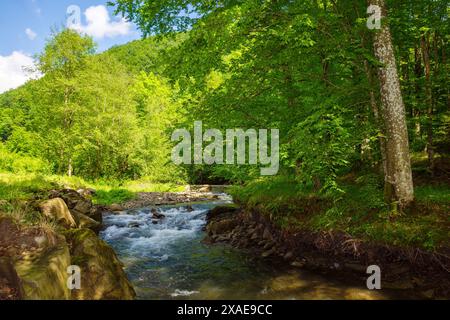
(399, 183)
(376, 114)
(425, 45)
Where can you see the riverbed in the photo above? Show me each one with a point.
(166, 259)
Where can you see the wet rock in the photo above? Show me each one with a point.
(158, 216)
(133, 225)
(115, 207)
(189, 209)
(57, 209)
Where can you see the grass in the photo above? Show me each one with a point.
(360, 211)
(15, 187)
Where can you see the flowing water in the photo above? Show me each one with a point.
(169, 261)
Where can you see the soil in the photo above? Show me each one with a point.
(426, 274)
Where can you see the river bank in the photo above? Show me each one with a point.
(417, 273)
(41, 239)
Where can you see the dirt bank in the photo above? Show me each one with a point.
(424, 273)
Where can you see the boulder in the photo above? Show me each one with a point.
(87, 193)
(221, 226)
(96, 213)
(115, 207)
(44, 274)
(83, 206)
(85, 222)
(102, 275)
(70, 197)
(57, 209)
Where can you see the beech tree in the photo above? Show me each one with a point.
(398, 175)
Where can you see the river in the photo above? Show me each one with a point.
(169, 261)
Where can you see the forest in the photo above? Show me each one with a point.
(363, 111)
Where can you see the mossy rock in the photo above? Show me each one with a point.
(44, 275)
(102, 275)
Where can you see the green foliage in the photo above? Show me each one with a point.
(108, 197)
(18, 163)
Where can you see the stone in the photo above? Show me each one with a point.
(102, 274)
(268, 253)
(85, 222)
(96, 214)
(115, 207)
(83, 206)
(288, 256)
(44, 275)
(158, 216)
(133, 225)
(267, 235)
(57, 209)
(86, 193)
(222, 226)
(10, 283)
(70, 197)
(298, 263)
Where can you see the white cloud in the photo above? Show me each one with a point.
(99, 24)
(12, 73)
(30, 34)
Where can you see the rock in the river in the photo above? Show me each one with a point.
(115, 207)
(102, 275)
(57, 209)
(133, 225)
(157, 215)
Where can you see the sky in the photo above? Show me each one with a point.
(25, 25)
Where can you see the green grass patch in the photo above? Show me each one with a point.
(360, 211)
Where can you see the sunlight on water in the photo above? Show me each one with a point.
(167, 260)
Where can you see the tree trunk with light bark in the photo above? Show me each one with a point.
(398, 175)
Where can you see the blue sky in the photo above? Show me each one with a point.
(26, 25)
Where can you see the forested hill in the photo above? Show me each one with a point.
(92, 119)
(316, 72)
